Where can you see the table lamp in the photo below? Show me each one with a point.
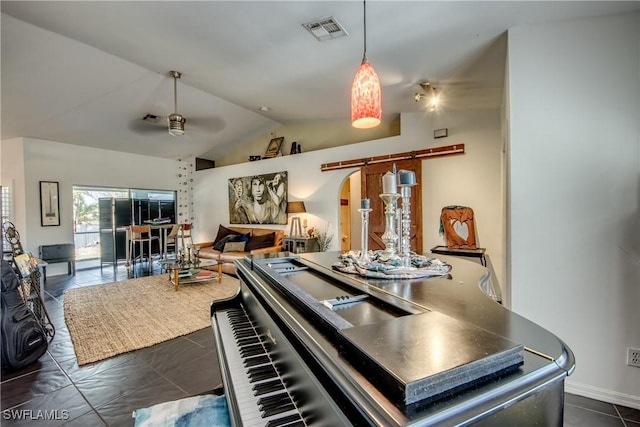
(295, 208)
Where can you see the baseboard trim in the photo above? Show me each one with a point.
(605, 395)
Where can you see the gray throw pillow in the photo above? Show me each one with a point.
(234, 247)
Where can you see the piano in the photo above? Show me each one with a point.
(302, 344)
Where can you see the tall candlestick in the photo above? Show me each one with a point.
(364, 237)
(406, 180)
(390, 237)
(406, 226)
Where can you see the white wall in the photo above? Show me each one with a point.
(472, 179)
(28, 161)
(574, 197)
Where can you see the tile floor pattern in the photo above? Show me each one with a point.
(106, 393)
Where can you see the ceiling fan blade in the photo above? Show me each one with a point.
(145, 126)
(205, 124)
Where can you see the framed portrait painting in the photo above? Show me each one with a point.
(49, 204)
(258, 199)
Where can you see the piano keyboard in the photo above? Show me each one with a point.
(262, 398)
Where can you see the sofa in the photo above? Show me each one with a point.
(232, 243)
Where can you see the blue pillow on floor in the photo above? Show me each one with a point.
(205, 410)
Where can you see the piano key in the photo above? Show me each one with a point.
(270, 400)
(267, 387)
(256, 360)
(284, 421)
(278, 410)
(252, 350)
(249, 340)
(262, 374)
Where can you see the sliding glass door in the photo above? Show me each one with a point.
(86, 216)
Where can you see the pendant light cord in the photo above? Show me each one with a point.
(364, 57)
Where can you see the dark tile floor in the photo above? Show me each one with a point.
(106, 393)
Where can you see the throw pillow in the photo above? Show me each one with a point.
(230, 238)
(259, 242)
(219, 245)
(234, 247)
(223, 232)
(242, 238)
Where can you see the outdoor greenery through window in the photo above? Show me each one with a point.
(86, 225)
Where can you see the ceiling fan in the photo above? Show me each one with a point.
(175, 122)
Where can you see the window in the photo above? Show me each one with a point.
(5, 209)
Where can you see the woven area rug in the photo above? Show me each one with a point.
(107, 320)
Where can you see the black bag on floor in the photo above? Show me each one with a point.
(23, 339)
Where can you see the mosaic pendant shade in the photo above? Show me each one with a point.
(366, 98)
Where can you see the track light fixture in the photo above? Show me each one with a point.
(430, 94)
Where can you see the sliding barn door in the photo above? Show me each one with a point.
(371, 182)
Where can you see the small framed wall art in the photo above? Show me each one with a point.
(49, 204)
(441, 133)
(273, 148)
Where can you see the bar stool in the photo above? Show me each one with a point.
(138, 236)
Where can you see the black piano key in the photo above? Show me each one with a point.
(244, 333)
(262, 374)
(284, 421)
(253, 350)
(272, 403)
(246, 341)
(299, 423)
(267, 387)
(278, 410)
(270, 400)
(256, 360)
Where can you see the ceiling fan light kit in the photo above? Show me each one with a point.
(176, 124)
(366, 95)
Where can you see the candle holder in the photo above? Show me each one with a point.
(390, 237)
(405, 252)
(398, 224)
(364, 236)
(196, 256)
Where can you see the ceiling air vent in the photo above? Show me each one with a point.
(152, 118)
(325, 28)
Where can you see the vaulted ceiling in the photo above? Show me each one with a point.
(87, 72)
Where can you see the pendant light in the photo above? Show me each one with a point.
(366, 96)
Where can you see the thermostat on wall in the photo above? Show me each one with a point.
(441, 133)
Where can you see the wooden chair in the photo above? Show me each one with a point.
(185, 233)
(139, 235)
(172, 238)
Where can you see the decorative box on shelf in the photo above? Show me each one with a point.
(300, 244)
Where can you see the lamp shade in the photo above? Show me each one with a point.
(296, 207)
(366, 98)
